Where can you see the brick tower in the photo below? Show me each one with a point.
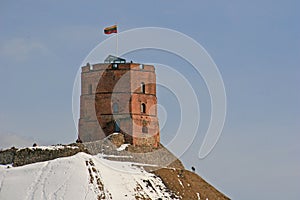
(119, 97)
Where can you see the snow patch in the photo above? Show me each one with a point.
(81, 176)
(198, 196)
(112, 156)
(56, 147)
(123, 147)
(180, 183)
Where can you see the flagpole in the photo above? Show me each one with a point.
(117, 42)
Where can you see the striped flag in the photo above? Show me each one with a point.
(111, 29)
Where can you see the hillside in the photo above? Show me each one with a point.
(60, 172)
(81, 176)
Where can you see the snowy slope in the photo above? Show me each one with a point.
(81, 176)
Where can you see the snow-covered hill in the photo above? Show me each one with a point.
(81, 176)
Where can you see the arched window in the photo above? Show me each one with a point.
(141, 66)
(115, 108)
(90, 89)
(143, 108)
(116, 127)
(143, 87)
(145, 129)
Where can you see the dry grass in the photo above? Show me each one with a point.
(187, 184)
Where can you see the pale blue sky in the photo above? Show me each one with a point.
(255, 45)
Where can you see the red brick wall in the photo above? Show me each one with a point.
(102, 86)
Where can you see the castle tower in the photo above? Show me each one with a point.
(119, 97)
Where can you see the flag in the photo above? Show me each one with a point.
(111, 29)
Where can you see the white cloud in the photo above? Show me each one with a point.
(8, 140)
(21, 49)
(77, 35)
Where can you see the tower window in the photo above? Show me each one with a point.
(115, 108)
(90, 89)
(116, 127)
(115, 66)
(145, 129)
(143, 108)
(143, 87)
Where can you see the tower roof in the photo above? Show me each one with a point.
(114, 59)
